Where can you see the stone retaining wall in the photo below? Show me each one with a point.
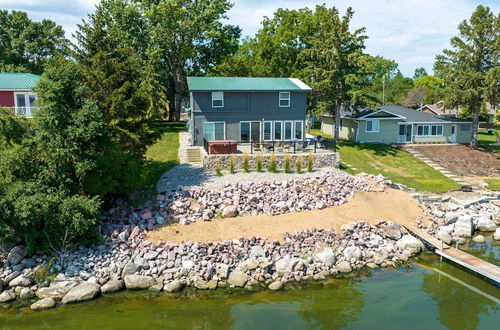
(321, 160)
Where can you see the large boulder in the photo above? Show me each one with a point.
(275, 286)
(113, 286)
(139, 281)
(444, 237)
(392, 231)
(42, 304)
(288, 265)
(130, 268)
(16, 255)
(478, 239)
(352, 252)
(257, 251)
(344, 267)
(230, 211)
(410, 243)
(56, 290)
(485, 223)
(7, 296)
(496, 235)
(26, 293)
(21, 280)
(238, 278)
(173, 286)
(82, 292)
(222, 271)
(464, 226)
(327, 257)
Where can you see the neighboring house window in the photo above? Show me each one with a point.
(214, 131)
(25, 104)
(298, 130)
(430, 130)
(268, 131)
(277, 130)
(465, 128)
(288, 130)
(372, 125)
(217, 99)
(284, 99)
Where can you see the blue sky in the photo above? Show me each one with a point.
(411, 32)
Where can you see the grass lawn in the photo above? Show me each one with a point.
(393, 163)
(493, 184)
(485, 140)
(163, 154)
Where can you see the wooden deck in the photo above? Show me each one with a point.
(473, 264)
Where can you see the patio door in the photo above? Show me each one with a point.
(250, 131)
(405, 132)
(453, 136)
(255, 131)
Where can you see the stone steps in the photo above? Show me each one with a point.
(193, 155)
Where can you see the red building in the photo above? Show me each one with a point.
(16, 93)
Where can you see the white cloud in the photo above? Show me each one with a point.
(412, 32)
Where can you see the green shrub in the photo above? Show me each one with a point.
(44, 274)
(298, 164)
(232, 160)
(218, 172)
(246, 163)
(310, 162)
(288, 165)
(258, 163)
(272, 164)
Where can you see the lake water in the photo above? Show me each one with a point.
(424, 295)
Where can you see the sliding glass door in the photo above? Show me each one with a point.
(214, 131)
(250, 131)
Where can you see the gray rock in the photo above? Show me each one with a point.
(26, 293)
(230, 211)
(16, 255)
(352, 252)
(129, 269)
(187, 264)
(158, 286)
(113, 286)
(327, 257)
(222, 271)
(7, 296)
(410, 243)
(201, 284)
(444, 236)
(150, 255)
(173, 286)
(393, 231)
(21, 280)
(275, 286)
(45, 303)
(82, 292)
(142, 263)
(288, 265)
(56, 290)
(28, 262)
(484, 223)
(238, 278)
(464, 226)
(139, 281)
(344, 267)
(160, 220)
(451, 218)
(257, 251)
(496, 235)
(478, 239)
(11, 276)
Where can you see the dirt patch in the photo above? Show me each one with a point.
(463, 160)
(394, 205)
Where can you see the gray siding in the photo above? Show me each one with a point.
(244, 106)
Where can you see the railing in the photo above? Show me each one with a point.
(293, 147)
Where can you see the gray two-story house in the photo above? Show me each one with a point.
(247, 109)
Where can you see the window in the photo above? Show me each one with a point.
(217, 99)
(25, 104)
(284, 99)
(429, 130)
(245, 132)
(288, 130)
(372, 125)
(298, 130)
(465, 128)
(267, 131)
(214, 131)
(277, 130)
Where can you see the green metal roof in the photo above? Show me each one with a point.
(245, 84)
(17, 81)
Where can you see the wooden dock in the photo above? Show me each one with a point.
(473, 264)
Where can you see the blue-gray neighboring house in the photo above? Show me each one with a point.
(247, 109)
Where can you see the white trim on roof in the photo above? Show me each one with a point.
(428, 107)
(381, 110)
(300, 84)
